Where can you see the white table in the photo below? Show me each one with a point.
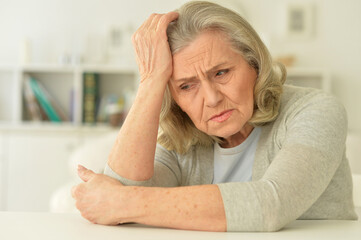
(52, 226)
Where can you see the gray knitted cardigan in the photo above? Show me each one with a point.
(300, 168)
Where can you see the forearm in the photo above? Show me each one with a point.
(132, 155)
(191, 208)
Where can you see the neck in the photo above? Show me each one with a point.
(237, 138)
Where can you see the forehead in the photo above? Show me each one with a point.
(209, 49)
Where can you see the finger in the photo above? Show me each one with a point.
(73, 189)
(166, 19)
(148, 22)
(153, 25)
(85, 174)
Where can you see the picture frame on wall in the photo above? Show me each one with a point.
(300, 21)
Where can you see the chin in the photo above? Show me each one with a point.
(227, 132)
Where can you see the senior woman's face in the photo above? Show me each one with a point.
(213, 84)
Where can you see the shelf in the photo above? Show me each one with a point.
(52, 68)
(309, 77)
(64, 83)
(107, 69)
(75, 68)
(305, 72)
(54, 127)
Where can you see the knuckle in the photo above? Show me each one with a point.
(163, 37)
(75, 191)
(85, 215)
(136, 37)
(90, 218)
(163, 18)
(78, 205)
(152, 16)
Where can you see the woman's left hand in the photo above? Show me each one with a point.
(98, 198)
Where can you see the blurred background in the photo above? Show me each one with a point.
(68, 77)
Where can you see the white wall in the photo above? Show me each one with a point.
(334, 46)
(55, 27)
(73, 26)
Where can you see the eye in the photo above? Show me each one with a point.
(184, 86)
(221, 72)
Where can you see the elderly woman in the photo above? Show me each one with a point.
(237, 150)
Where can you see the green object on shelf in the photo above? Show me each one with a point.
(90, 96)
(44, 102)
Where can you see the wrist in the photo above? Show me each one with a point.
(154, 81)
(136, 207)
(151, 90)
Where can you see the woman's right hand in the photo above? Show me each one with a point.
(152, 49)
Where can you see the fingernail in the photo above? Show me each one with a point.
(80, 167)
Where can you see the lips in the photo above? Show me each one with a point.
(223, 116)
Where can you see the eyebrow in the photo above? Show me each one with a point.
(207, 72)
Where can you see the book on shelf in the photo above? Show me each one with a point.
(32, 104)
(49, 108)
(90, 96)
(54, 103)
(44, 117)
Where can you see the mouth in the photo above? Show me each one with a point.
(223, 116)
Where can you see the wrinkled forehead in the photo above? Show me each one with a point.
(209, 49)
(204, 52)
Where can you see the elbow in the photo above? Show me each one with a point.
(260, 227)
(275, 222)
(273, 227)
(271, 224)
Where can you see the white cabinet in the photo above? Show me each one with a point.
(2, 171)
(36, 163)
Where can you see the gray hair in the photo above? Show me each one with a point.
(177, 131)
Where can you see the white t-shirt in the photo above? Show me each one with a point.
(235, 164)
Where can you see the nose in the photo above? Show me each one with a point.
(212, 95)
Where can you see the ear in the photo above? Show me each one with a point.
(84, 173)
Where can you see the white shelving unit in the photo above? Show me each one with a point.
(61, 82)
(309, 77)
(9, 84)
(34, 155)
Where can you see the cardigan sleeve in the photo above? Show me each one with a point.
(166, 171)
(313, 147)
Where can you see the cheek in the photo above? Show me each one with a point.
(242, 88)
(238, 94)
(241, 95)
(193, 111)
(191, 106)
